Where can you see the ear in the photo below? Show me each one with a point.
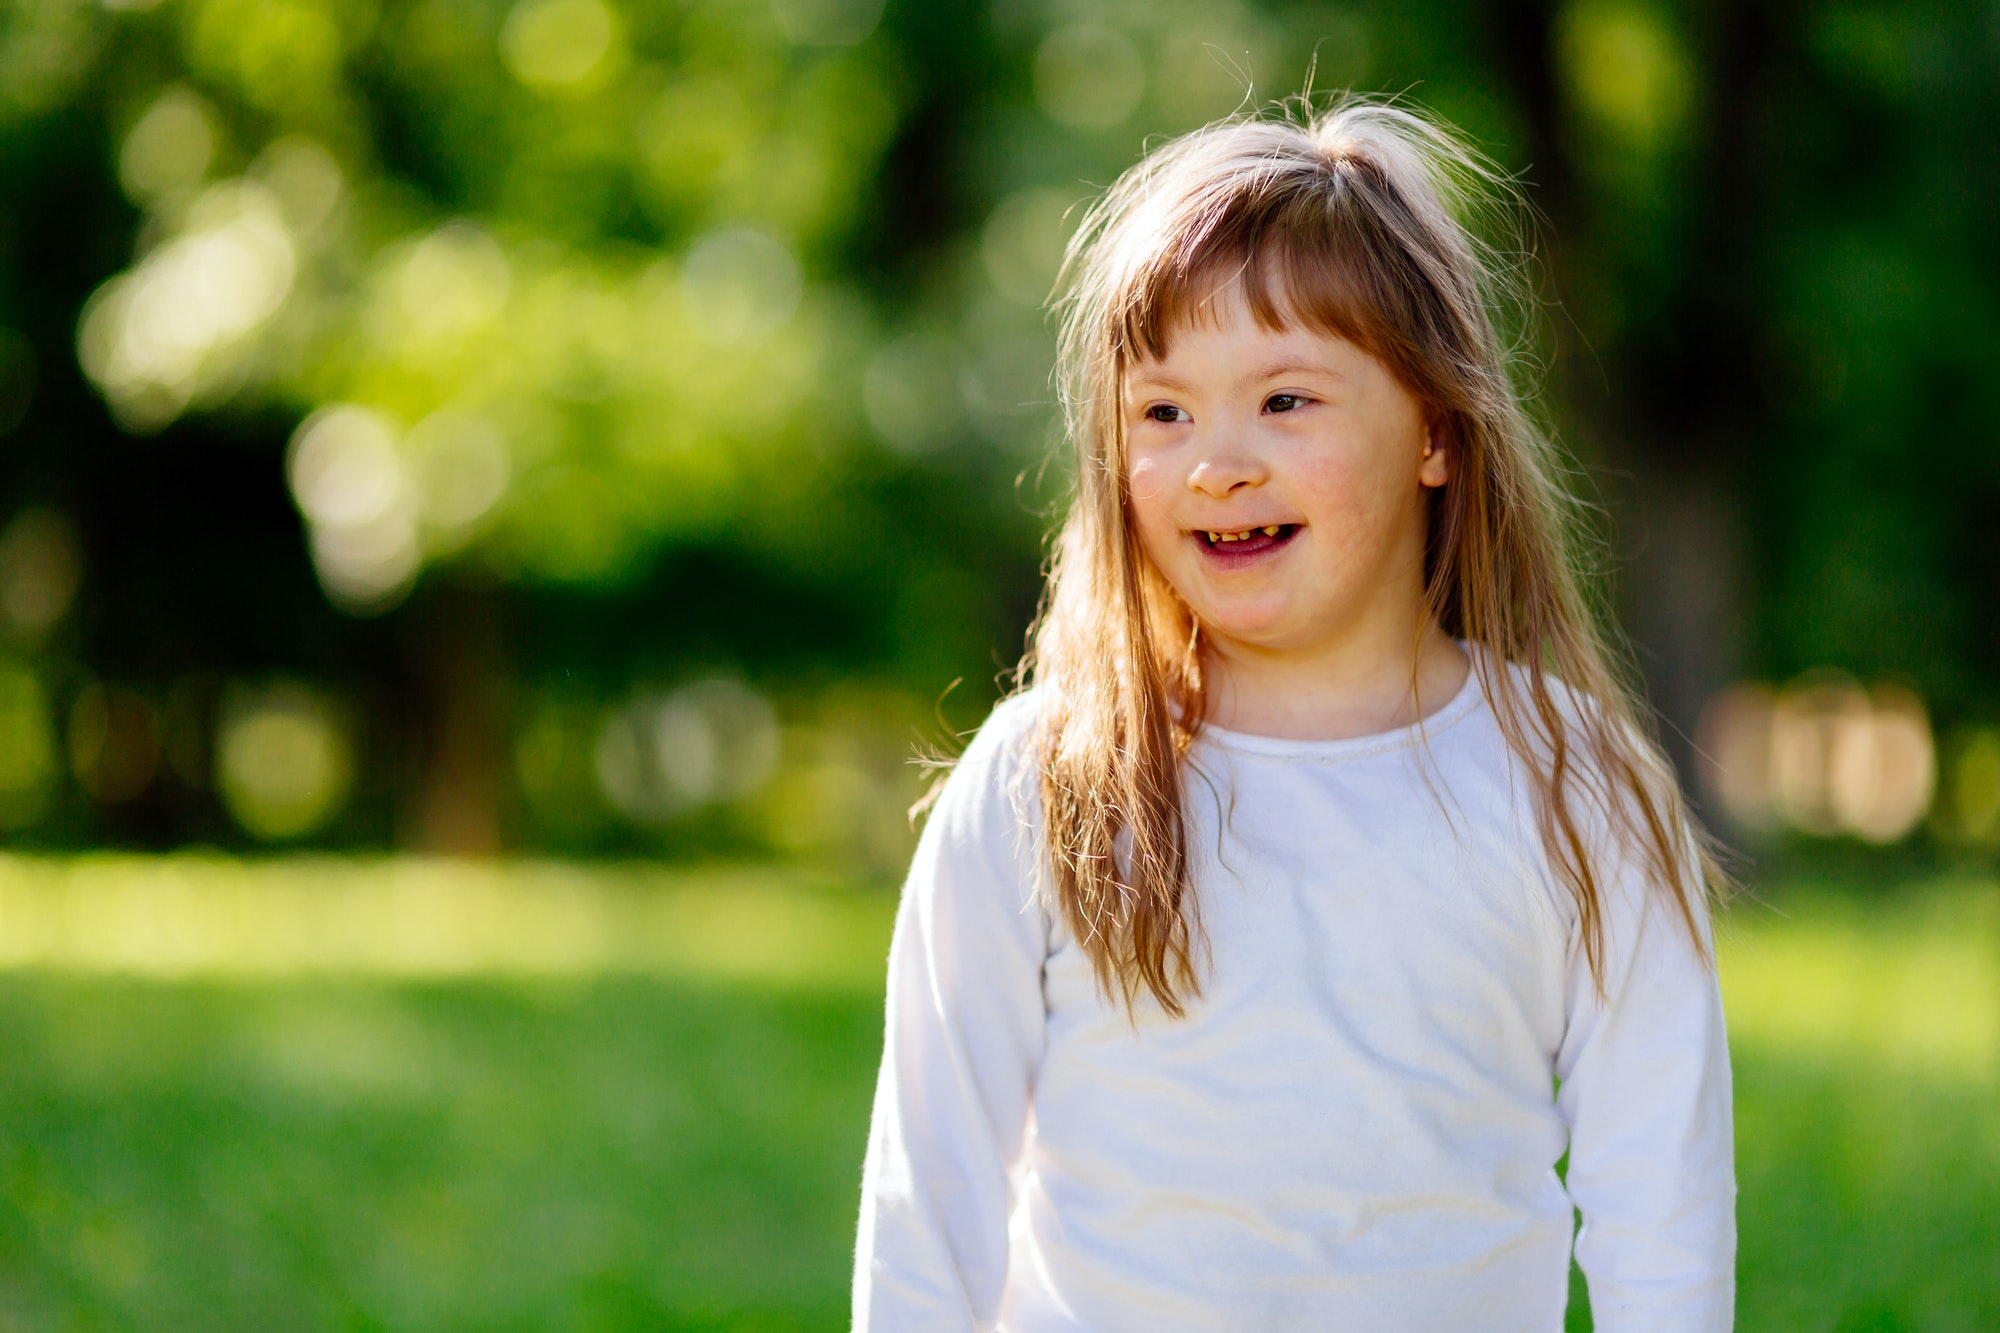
(1434, 468)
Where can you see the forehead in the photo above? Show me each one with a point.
(1223, 334)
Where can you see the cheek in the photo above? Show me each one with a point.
(1359, 507)
(1151, 494)
(1339, 487)
(1146, 480)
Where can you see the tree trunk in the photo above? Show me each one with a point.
(455, 651)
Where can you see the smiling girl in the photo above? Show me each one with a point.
(1262, 960)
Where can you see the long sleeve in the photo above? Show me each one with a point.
(1645, 1090)
(962, 1041)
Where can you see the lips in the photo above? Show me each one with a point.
(1239, 543)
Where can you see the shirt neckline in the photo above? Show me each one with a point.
(1461, 705)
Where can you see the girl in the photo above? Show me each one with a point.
(1259, 963)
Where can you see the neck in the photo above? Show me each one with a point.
(1359, 687)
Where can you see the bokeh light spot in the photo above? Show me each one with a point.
(369, 568)
(451, 283)
(343, 466)
(280, 54)
(461, 469)
(283, 764)
(1205, 74)
(304, 179)
(170, 148)
(349, 480)
(740, 286)
(1627, 70)
(710, 741)
(826, 22)
(912, 392)
(1089, 76)
(1823, 756)
(41, 563)
(843, 796)
(1023, 242)
(557, 44)
(156, 336)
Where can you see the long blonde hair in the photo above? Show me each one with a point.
(1358, 221)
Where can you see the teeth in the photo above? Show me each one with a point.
(1215, 537)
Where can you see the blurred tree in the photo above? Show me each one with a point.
(550, 290)
(1778, 328)
(490, 361)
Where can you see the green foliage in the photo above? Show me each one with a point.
(575, 266)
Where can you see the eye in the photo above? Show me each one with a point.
(1165, 412)
(1284, 402)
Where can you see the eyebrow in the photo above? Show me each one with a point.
(1272, 371)
(1156, 380)
(1278, 368)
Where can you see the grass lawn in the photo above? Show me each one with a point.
(592, 1106)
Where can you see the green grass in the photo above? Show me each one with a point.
(611, 1154)
(676, 1145)
(1865, 1030)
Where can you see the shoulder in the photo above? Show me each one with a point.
(1604, 745)
(981, 834)
(1506, 680)
(1007, 736)
(1617, 802)
(992, 785)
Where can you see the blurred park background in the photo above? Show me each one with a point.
(493, 493)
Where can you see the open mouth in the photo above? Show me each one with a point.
(1247, 541)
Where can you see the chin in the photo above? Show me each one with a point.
(1251, 630)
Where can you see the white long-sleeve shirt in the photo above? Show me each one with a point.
(1355, 1126)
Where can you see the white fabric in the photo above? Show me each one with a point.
(1356, 1125)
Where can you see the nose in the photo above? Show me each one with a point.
(1224, 464)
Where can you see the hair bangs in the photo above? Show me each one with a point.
(1290, 249)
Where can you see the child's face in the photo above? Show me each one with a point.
(1238, 431)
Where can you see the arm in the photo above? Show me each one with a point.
(962, 1043)
(1645, 1091)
